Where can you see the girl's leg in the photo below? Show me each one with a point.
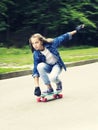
(43, 70)
(56, 70)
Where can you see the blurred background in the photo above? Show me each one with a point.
(19, 19)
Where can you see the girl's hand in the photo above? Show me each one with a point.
(78, 28)
(37, 91)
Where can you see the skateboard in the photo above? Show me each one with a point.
(54, 95)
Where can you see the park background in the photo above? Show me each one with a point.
(78, 110)
(20, 19)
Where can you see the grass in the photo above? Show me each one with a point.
(12, 59)
(79, 53)
(6, 70)
(15, 56)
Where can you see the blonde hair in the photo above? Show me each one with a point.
(41, 38)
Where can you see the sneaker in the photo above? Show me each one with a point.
(59, 86)
(49, 91)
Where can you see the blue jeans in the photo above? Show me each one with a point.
(49, 73)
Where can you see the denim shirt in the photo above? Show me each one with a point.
(52, 47)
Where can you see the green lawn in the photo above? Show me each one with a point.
(11, 59)
(79, 53)
(15, 56)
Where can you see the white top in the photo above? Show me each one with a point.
(50, 58)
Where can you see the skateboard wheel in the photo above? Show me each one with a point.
(38, 99)
(55, 96)
(60, 96)
(44, 99)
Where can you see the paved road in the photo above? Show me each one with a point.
(78, 110)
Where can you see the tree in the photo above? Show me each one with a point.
(20, 18)
(4, 18)
(4, 7)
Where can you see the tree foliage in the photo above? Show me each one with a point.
(4, 16)
(20, 18)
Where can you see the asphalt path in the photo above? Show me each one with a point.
(77, 110)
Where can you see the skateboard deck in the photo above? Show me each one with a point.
(45, 97)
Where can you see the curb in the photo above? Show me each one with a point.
(15, 74)
(28, 72)
(81, 63)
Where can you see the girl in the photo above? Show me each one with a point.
(47, 59)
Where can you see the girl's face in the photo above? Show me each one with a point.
(37, 44)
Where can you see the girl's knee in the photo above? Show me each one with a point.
(40, 66)
(54, 78)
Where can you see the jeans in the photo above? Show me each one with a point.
(49, 73)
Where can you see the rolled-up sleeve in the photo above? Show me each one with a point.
(61, 39)
(35, 71)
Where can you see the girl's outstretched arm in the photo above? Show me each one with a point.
(73, 32)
